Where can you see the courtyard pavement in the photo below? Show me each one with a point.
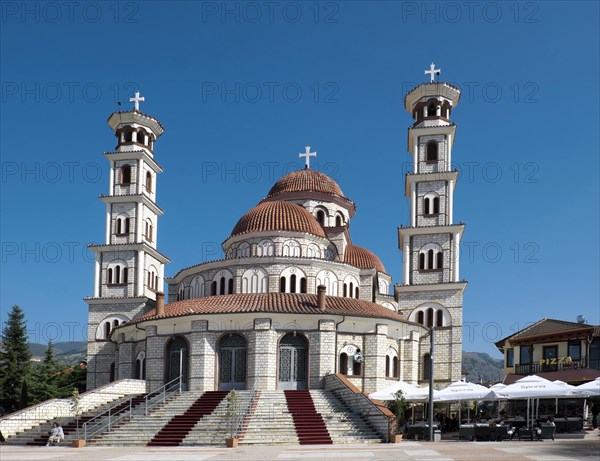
(559, 450)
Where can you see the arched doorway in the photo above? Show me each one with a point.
(293, 358)
(177, 361)
(232, 362)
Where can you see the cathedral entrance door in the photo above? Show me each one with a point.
(293, 353)
(177, 361)
(232, 363)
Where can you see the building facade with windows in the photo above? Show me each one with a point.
(553, 349)
(293, 299)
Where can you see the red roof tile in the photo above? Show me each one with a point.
(278, 215)
(274, 303)
(306, 180)
(361, 257)
(549, 327)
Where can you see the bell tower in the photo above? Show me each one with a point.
(128, 270)
(431, 289)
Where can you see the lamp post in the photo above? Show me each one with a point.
(430, 402)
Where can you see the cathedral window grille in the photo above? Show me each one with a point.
(149, 182)
(431, 152)
(126, 174)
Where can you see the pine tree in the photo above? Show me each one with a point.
(14, 360)
(43, 382)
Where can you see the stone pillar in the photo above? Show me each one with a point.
(410, 359)
(202, 357)
(321, 353)
(374, 355)
(262, 356)
(155, 359)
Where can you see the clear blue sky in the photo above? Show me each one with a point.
(242, 91)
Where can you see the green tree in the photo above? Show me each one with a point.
(14, 361)
(43, 381)
(398, 406)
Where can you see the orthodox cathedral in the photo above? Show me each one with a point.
(294, 299)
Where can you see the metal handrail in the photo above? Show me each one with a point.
(245, 411)
(106, 420)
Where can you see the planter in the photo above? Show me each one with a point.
(78, 443)
(231, 443)
(396, 438)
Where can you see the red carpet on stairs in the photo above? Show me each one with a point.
(71, 427)
(310, 426)
(179, 426)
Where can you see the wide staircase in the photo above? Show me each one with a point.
(309, 424)
(141, 428)
(270, 422)
(38, 435)
(177, 429)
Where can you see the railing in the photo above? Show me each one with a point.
(106, 421)
(244, 412)
(558, 364)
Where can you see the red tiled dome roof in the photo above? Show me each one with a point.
(306, 180)
(297, 303)
(278, 215)
(361, 257)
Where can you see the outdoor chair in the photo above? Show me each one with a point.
(466, 431)
(546, 431)
(525, 433)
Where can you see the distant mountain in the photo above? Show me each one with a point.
(69, 352)
(482, 367)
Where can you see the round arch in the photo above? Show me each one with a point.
(292, 370)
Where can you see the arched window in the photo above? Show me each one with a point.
(126, 230)
(420, 317)
(345, 294)
(140, 366)
(312, 251)
(181, 292)
(303, 285)
(395, 367)
(213, 288)
(291, 248)
(197, 287)
(116, 274)
(152, 281)
(265, 248)
(431, 257)
(391, 363)
(141, 137)
(344, 363)
(432, 152)
(118, 229)
(291, 280)
(223, 281)
(387, 366)
(356, 293)
(148, 181)
(128, 135)
(109, 277)
(436, 205)
(431, 110)
(255, 280)
(426, 205)
(106, 330)
(350, 287)
(148, 230)
(115, 323)
(126, 174)
(330, 281)
(430, 317)
(439, 319)
(243, 251)
(321, 217)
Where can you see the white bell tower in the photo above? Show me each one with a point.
(431, 289)
(129, 270)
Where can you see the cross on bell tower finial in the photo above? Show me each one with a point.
(433, 72)
(136, 100)
(307, 155)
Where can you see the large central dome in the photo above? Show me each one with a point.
(306, 180)
(278, 215)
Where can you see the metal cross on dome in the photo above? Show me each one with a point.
(136, 100)
(307, 155)
(433, 72)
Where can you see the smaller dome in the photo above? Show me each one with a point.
(362, 258)
(278, 215)
(306, 180)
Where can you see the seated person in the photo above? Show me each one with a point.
(56, 434)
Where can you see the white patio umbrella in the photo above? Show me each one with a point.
(566, 386)
(409, 392)
(461, 390)
(532, 387)
(587, 389)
